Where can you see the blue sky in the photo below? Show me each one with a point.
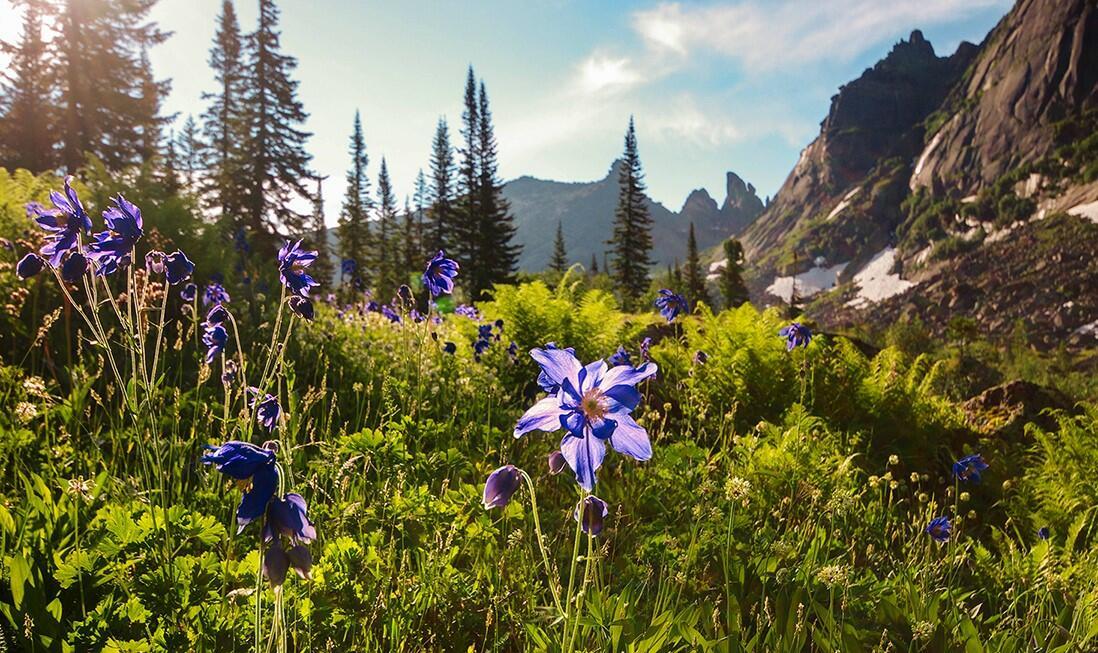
(735, 85)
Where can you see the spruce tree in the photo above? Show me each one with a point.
(441, 192)
(274, 159)
(27, 116)
(559, 261)
(170, 172)
(317, 238)
(420, 216)
(594, 269)
(386, 254)
(466, 223)
(409, 243)
(354, 218)
(733, 289)
(223, 122)
(190, 153)
(631, 243)
(695, 276)
(496, 253)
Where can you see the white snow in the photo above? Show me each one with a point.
(1088, 211)
(924, 156)
(877, 281)
(843, 204)
(812, 282)
(1088, 329)
(715, 269)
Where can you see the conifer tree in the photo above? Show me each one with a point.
(420, 216)
(559, 261)
(631, 243)
(695, 276)
(733, 288)
(27, 115)
(107, 94)
(466, 223)
(189, 154)
(170, 172)
(274, 157)
(387, 256)
(441, 195)
(223, 122)
(317, 239)
(496, 253)
(354, 218)
(409, 243)
(594, 269)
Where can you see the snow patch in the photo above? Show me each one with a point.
(876, 281)
(1088, 211)
(924, 156)
(1088, 329)
(812, 282)
(843, 204)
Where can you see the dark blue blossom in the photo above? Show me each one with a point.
(591, 514)
(700, 357)
(620, 357)
(267, 410)
(670, 304)
(373, 307)
(217, 315)
(501, 486)
(288, 517)
(389, 313)
(215, 294)
(479, 347)
(178, 268)
(348, 267)
(468, 311)
(63, 223)
(512, 350)
(1043, 532)
(939, 529)
(970, 468)
(215, 338)
(111, 249)
(253, 468)
(557, 463)
(302, 307)
(188, 292)
(292, 261)
(438, 278)
(29, 265)
(74, 267)
(416, 316)
(796, 335)
(449, 347)
(593, 405)
(484, 331)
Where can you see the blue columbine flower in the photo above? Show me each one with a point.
(557, 463)
(188, 292)
(288, 517)
(63, 223)
(939, 529)
(292, 261)
(74, 267)
(348, 267)
(154, 261)
(449, 347)
(468, 311)
(593, 404)
(29, 265)
(215, 338)
(501, 486)
(620, 357)
(388, 312)
(670, 304)
(646, 349)
(1043, 532)
(302, 307)
(438, 278)
(484, 331)
(700, 357)
(217, 315)
(267, 410)
(251, 466)
(178, 268)
(547, 384)
(215, 294)
(591, 514)
(111, 249)
(970, 468)
(796, 335)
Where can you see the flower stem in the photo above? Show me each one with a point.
(541, 545)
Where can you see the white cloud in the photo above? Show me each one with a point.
(683, 119)
(601, 72)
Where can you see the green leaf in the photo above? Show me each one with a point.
(20, 572)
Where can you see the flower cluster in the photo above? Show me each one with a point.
(671, 304)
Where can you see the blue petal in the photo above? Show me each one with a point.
(558, 365)
(542, 416)
(628, 376)
(631, 439)
(602, 428)
(254, 502)
(626, 396)
(584, 456)
(573, 422)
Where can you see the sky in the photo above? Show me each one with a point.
(738, 85)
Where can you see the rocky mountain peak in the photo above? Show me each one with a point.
(699, 200)
(740, 196)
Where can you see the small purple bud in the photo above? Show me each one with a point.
(594, 511)
(275, 564)
(29, 265)
(74, 267)
(500, 486)
(557, 462)
(302, 307)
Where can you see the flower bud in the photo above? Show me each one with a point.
(557, 462)
(591, 514)
(500, 486)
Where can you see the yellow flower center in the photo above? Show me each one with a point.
(593, 404)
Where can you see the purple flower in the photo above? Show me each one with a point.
(178, 268)
(557, 463)
(501, 486)
(390, 313)
(438, 278)
(484, 331)
(288, 517)
(970, 468)
(29, 265)
(1043, 532)
(74, 267)
(215, 338)
(468, 311)
(292, 261)
(302, 307)
(939, 529)
(645, 349)
(796, 335)
(188, 293)
(700, 357)
(63, 223)
(111, 249)
(348, 267)
(449, 347)
(217, 315)
(591, 514)
(214, 294)
(593, 405)
(252, 466)
(620, 357)
(267, 410)
(670, 304)
(154, 261)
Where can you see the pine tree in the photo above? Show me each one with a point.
(420, 216)
(559, 261)
(385, 253)
(594, 269)
(190, 154)
(354, 218)
(496, 253)
(108, 96)
(409, 243)
(27, 117)
(733, 289)
(466, 224)
(631, 243)
(695, 276)
(441, 198)
(316, 238)
(274, 159)
(223, 122)
(170, 171)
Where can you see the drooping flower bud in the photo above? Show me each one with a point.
(501, 486)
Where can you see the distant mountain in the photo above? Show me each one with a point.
(951, 186)
(586, 212)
